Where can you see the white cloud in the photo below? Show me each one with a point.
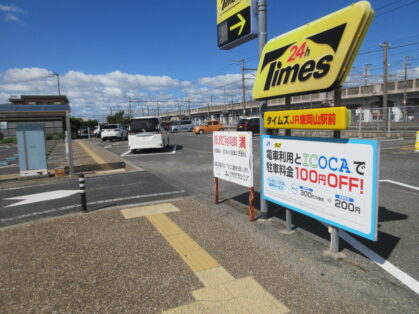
(11, 12)
(10, 8)
(11, 17)
(93, 94)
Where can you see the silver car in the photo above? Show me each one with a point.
(181, 126)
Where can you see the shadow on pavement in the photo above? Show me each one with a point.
(98, 167)
(151, 151)
(384, 245)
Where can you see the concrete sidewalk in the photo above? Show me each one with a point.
(87, 158)
(184, 256)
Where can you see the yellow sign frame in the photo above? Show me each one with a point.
(333, 118)
(314, 57)
(226, 9)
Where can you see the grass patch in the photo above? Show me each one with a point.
(8, 140)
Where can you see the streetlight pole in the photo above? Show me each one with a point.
(385, 77)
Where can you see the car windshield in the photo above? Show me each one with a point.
(144, 125)
(110, 126)
(242, 121)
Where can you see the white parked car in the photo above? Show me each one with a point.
(113, 131)
(147, 132)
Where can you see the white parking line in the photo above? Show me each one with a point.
(125, 153)
(386, 265)
(401, 184)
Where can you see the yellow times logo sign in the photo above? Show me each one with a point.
(314, 57)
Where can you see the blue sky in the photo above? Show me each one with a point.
(107, 51)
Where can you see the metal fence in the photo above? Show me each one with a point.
(362, 119)
(385, 119)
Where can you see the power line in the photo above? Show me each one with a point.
(397, 8)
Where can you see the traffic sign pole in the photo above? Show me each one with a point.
(262, 8)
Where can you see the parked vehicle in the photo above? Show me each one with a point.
(147, 132)
(167, 125)
(181, 126)
(97, 131)
(248, 124)
(113, 131)
(209, 127)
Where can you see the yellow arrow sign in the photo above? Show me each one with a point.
(239, 24)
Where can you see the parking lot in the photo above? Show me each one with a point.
(187, 163)
(375, 277)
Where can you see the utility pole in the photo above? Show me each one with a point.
(385, 46)
(210, 108)
(57, 75)
(263, 106)
(243, 90)
(129, 108)
(366, 66)
(406, 65)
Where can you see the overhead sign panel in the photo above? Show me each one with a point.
(314, 57)
(236, 22)
(334, 118)
(332, 180)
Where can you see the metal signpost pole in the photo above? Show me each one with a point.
(70, 147)
(288, 214)
(334, 232)
(262, 104)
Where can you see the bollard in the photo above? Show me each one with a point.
(82, 187)
(417, 142)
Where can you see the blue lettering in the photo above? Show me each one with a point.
(330, 163)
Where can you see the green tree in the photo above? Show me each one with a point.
(118, 118)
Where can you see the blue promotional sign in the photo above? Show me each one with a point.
(332, 180)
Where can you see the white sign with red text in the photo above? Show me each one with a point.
(233, 157)
(332, 180)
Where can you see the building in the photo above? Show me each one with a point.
(39, 100)
(51, 111)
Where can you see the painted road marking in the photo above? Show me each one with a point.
(96, 158)
(41, 197)
(401, 184)
(222, 292)
(386, 265)
(48, 211)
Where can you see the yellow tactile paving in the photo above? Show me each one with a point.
(95, 157)
(222, 293)
(111, 171)
(190, 251)
(214, 276)
(135, 212)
